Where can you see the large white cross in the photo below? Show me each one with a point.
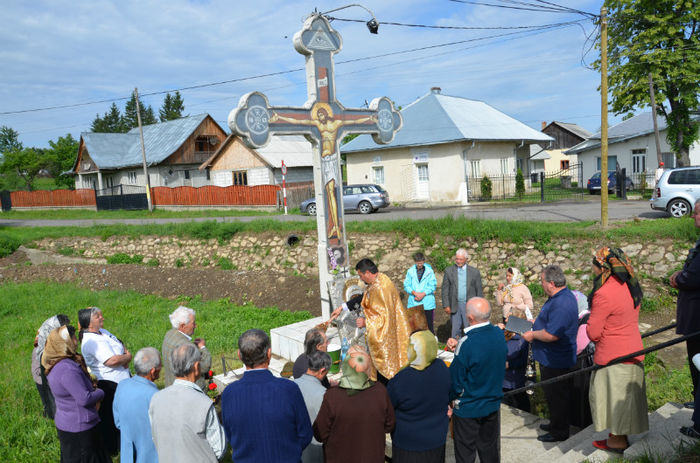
(324, 122)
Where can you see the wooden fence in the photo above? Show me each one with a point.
(262, 195)
(53, 198)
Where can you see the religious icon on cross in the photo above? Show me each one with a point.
(325, 122)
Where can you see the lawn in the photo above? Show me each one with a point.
(139, 320)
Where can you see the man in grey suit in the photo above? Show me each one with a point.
(460, 283)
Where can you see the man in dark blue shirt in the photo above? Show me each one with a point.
(553, 339)
(477, 378)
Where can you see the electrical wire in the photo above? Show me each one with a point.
(289, 71)
(427, 26)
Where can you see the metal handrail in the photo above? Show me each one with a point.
(615, 361)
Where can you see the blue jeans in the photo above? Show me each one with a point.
(459, 320)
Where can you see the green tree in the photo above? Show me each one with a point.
(173, 107)
(9, 139)
(60, 158)
(24, 164)
(486, 188)
(519, 184)
(111, 122)
(661, 37)
(129, 119)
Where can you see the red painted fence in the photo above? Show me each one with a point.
(53, 198)
(262, 195)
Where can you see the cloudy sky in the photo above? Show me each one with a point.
(68, 55)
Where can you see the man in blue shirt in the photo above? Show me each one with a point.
(477, 374)
(553, 339)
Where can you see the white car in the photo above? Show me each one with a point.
(676, 191)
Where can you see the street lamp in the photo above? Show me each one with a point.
(372, 24)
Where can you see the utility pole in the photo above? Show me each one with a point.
(604, 117)
(652, 96)
(143, 152)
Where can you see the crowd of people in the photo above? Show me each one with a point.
(392, 383)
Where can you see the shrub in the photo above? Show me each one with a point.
(8, 245)
(179, 263)
(486, 188)
(153, 263)
(119, 258)
(535, 289)
(224, 263)
(519, 184)
(66, 251)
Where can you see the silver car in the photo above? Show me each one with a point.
(676, 191)
(364, 198)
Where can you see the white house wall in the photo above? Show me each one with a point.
(446, 168)
(259, 176)
(623, 151)
(221, 178)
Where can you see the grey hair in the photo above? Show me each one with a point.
(554, 274)
(319, 360)
(253, 346)
(146, 359)
(183, 359)
(181, 316)
(474, 306)
(313, 338)
(461, 251)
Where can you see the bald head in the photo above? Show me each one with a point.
(478, 310)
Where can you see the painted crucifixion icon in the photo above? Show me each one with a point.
(324, 122)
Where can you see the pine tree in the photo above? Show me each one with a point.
(173, 107)
(129, 119)
(111, 122)
(519, 184)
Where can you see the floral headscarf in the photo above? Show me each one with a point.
(613, 261)
(517, 277)
(356, 368)
(422, 349)
(59, 346)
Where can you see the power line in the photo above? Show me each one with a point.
(289, 71)
(428, 26)
(528, 7)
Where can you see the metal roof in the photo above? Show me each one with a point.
(436, 118)
(574, 128)
(637, 126)
(118, 150)
(294, 150)
(537, 153)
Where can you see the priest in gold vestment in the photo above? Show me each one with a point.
(386, 320)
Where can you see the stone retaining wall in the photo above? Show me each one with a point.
(653, 261)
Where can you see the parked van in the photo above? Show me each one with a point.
(676, 191)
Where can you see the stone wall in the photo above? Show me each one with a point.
(653, 261)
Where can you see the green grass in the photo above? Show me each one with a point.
(139, 320)
(83, 214)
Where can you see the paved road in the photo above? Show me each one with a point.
(588, 209)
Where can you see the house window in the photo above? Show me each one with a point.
(131, 176)
(639, 161)
(187, 174)
(378, 174)
(519, 164)
(564, 164)
(240, 177)
(504, 166)
(612, 163)
(423, 173)
(208, 174)
(475, 166)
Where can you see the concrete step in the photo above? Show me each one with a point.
(664, 437)
(574, 441)
(519, 431)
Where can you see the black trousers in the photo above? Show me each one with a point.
(110, 433)
(480, 436)
(82, 447)
(558, 397)
(429, 317)
(692, 346)
(399, 455)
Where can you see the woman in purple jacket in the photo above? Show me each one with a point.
(76, 399)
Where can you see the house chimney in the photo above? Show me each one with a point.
(544, 124)
(436, 90)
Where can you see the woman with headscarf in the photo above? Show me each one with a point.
(355, 415)
(76, 416)
(514, 294)
(618, 392)
(108, 359)
(420, 394)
